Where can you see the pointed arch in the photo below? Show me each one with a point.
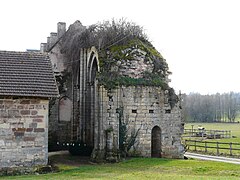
(92, 64)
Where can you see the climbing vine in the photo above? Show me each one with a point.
(126, 140)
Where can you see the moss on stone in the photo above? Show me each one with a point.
(108, 59)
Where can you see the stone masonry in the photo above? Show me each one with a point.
(143, 108)
(23, 132)
(95, 115)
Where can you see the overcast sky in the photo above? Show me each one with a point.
(200, 39)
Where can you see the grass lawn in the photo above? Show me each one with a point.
(233, 127)
(144, 168)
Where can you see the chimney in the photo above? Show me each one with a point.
(53, 39)
(48, 43)
(43, 47)
(61, 29)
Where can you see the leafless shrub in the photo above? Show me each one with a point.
(101, 35)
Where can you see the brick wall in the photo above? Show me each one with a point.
(23, 132)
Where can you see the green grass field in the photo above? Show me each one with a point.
(145, 168)
(235, 131)
(234, 127)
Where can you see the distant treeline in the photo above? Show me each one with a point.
(211, 108)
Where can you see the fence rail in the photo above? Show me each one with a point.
(225, 148)
(211, 134)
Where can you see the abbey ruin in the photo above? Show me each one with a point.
(114, 94)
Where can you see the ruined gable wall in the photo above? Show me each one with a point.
(58, 60)
(143, 108)
(23, 132)
(59, 63)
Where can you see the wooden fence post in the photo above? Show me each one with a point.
(195, 144)
(230, 144)
(205, 146)
(217, 149)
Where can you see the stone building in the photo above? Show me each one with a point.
(26, 84)
(138, 119)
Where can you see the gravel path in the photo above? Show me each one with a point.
(212, 158)
(58, 153)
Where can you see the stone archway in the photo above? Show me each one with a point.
(91, 104)
(156, 142)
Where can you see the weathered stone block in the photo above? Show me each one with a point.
(37, 120)
(37, 116)
(18, 133)
(31, 106)
(34, 112)
(29, 138)
(25, 101)
(29, 129)
(25, 112)
(33, 125)
(20, 107)
(39, 130)
(35, 101)
(38, 106)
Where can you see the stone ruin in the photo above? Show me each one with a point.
(114, 101)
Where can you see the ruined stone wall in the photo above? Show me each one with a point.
(57, 141)
(143, 109)
(58, 60)
(23, 132)
(59, 132)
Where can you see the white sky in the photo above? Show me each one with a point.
(198, 38)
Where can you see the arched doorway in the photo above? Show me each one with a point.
(156, 142)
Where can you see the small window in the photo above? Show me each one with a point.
(134, 111)
(151, 111)
(168, 111)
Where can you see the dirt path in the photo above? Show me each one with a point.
(64, 157)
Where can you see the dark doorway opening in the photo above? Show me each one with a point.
(156, 142)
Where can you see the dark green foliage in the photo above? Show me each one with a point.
(122, 130)
(173, 98)
(80, 148)
(111, 82)
(126, 141)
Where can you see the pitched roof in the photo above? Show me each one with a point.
(26, 74)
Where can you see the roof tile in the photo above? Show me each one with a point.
(26, 74)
